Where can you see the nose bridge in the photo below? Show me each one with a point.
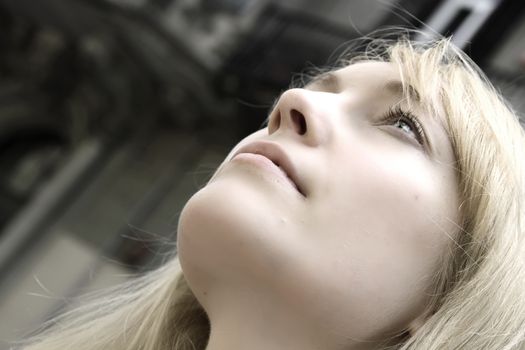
(300, 112)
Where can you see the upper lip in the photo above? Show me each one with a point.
(277, 155)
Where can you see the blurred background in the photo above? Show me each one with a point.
(113, 112)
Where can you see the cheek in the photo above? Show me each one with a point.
(400, 205)
(389, 187)
(384, 226)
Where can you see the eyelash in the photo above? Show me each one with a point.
(397, 114)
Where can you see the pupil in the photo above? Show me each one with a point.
(403, 125)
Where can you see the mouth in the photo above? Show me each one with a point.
(278, 158)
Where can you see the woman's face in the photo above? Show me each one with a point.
(353, 249)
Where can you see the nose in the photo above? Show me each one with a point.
(299, 113)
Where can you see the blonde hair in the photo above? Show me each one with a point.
(479, 294)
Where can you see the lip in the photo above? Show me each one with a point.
(278, 158)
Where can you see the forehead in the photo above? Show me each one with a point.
(369, 71)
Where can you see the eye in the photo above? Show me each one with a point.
(406, 122)
(406, 126)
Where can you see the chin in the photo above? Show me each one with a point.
(227, 233)
(234, 233)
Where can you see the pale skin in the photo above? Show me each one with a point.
(349, 262)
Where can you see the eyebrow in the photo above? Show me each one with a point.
(329, 82)
(396, 87)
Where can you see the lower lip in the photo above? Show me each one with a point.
(264, 163)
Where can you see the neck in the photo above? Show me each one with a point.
(261, 324)
(243, 332)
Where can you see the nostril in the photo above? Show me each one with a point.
(275, 123)
(298, 121)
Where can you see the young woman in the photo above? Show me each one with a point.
(380, 208)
